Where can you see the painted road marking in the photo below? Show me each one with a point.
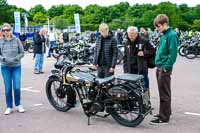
(30, 89)
(190, 113)
(38, 104)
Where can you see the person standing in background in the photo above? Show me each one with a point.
(52, 40)
(39, 50)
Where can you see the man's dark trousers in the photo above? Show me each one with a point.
(103, 71)
(164, 87)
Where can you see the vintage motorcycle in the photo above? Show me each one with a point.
(123, 96)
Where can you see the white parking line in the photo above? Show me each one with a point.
(30, 89)
(38, 104)
(190, 113)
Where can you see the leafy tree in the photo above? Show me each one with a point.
(117, 16)
(183, 25)
(92, 15)
(148, 18)
(183, 8)
(70, 10)
(56, 11)
(3, 9)
(36, 9)
(40, 18)
(60, 22)
(3, 2)
(196, 24)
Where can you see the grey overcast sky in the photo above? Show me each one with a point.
(27, 4)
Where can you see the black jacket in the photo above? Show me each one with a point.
(39, 43)
(22, 37)
(132, 60)
(110, 51)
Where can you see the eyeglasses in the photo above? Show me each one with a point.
(4, 30)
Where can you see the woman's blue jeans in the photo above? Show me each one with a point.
(12, 79)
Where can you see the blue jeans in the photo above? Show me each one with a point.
(12, 77)
(51, 46)
(39, 60)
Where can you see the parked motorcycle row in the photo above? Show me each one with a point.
(80, 51)
(189, 46)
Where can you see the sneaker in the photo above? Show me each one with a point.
(8, 111)
(20, 109)
(156, 116)
(35, 72)
(158, 122)
(41, 72)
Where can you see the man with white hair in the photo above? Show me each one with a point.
(137, 50)
(39, 50)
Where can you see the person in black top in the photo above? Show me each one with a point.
(22, 38)
(105, 54)
(39, 50)
(137, 50)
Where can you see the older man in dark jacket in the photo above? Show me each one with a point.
(105, 55)
(137, 50)
(39, 50)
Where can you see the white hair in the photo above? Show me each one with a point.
(132, 28)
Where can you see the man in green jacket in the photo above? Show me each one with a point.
(164, 60)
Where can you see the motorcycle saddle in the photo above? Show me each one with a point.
(106, 80)
(129, 77)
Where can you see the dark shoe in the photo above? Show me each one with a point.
(158, 122)
(48, 56)
(157, 116)
(41, 72)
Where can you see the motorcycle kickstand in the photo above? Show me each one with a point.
(88, 121)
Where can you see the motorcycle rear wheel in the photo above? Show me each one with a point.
(129, 112)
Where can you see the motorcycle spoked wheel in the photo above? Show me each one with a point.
(119, 57)
(128, 112)
(63, 57)
(55, 52)
(181, 50)
(30, 48)
(191, 52)
(56, 95)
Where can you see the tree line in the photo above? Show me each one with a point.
(116, 16)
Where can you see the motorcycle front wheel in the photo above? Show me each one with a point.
(181, 50)
(191, 52)
(57, 95)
